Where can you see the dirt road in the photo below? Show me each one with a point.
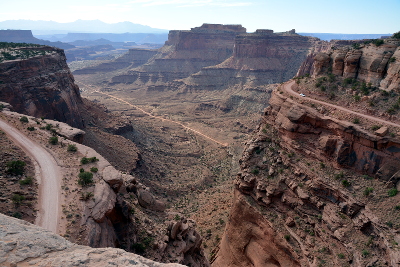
(288, 88)
(48, 175)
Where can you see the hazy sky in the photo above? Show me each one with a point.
(335, 16)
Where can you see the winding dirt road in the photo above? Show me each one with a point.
(48, 176)
(156, 117)
(288, 88)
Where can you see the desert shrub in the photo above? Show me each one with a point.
(255, 171)
(392, 192)
(48, 127)
(30, 129)
(17, 215)
(340, 256)
(356, 121)
(72, 148)
(138, 248)
(368, 191)
(378, 42)
(375, 127)
(94, 169)
(24, 119)
(1, 105)
(287, 237)
(85, 196)
(85, 178)
(15, 167)
(356, 45)
(17, 198)
(53, 140)
(396, 35)
(346, 183)
(26, 181)
(392, 59)
(357, 98)
(86, 160)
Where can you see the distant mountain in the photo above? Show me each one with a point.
(41, 27)
(343, 36)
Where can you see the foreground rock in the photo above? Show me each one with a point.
(23, 243)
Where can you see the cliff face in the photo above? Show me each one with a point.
(186, 52)
(42, 86)
(258, 58)
(370, 63)
(306, 196)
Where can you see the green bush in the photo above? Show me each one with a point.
(53, 140)
(396, 35)
(94, 169)
(26, 181)
(24, 119)
(86, 160)
(17, 198)
(72, 148)
(1, 105)
(30, 129)
(255, 171)
(375, 127)
(368, 191)
(17, 215)
(392, 59)
(85, 178)
(346, 183)
(15, 167)
(340, 256)
(356, 121)
(48, 127)
(392, 192)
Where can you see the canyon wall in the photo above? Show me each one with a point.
(42, 86)
(313, 191)
(184, 53)
(369, 62)
(259, 58)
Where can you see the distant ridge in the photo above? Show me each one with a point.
(41, 27)
(344, 36)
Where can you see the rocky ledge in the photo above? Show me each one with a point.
(22, 243)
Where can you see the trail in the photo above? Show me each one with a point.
(49, 178)
(288, 88)
(161, 118)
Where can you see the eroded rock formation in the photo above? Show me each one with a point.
(369, 63)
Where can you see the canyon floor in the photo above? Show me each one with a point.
(189, 148)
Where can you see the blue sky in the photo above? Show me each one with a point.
(337, 16)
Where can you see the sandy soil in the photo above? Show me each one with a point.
(48, 176)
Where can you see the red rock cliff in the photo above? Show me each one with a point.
(42, 86)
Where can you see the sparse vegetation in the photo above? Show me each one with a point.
(85, 178)
(346, 183)
(53, 140)
(392, 192)
(86, 160)
(94, 169)
(15, 167)
(72, 148)
(368, 191)
(30, 129)
(27, 181)
(24, 119)
(340, 256)
(17, 198)
(85, 196)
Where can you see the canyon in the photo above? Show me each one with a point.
(208, 154)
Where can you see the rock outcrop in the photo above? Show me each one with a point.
(42, 86)
(22, 243)
(305, 195)
(368, 62)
